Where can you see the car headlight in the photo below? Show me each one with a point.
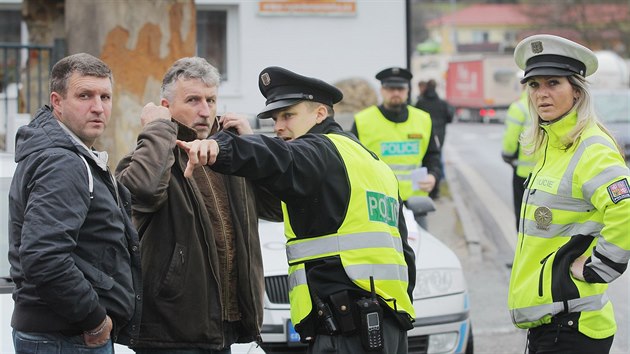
(442, 342)
(438, 282)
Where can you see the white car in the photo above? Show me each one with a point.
(440, 298)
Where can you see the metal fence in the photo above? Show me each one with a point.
(24, 71)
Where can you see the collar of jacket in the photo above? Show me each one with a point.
(395, 116)
(431, 94)
(328, 125)
(42, 132)
(185, 133)
(559, 128)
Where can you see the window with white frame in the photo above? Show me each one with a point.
(218, 41)
(480, 37)
(212, 38)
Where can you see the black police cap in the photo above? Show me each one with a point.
(283, 88)
(394, 77)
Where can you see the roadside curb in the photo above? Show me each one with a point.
(470, 224)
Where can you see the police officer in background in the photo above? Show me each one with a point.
(573, 238)
(513, 153)
(350, 266)
(401, 135)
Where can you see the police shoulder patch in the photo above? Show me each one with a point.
(619, 190)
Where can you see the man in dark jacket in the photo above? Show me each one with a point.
(72, 247)
(200, 249)
(441, 114)
(343, 216)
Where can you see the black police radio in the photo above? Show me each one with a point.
(371, 315)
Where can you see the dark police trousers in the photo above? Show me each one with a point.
(395, 341)
(559, 338)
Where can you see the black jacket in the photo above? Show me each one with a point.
(309, 175)
(440, 111)
(73, 258)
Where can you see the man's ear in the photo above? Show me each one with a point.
(55, 100)
(322, 113)
(164, 102)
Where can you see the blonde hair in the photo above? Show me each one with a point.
(533, 138)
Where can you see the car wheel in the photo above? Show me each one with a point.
(469, 344)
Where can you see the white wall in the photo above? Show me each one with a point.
(330, 48)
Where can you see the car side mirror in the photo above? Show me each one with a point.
(420, 205)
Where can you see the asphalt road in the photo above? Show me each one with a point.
(475, 218)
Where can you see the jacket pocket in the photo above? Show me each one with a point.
(95, 276)
(173, 281)
(541, 277)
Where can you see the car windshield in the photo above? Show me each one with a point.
(612, 106)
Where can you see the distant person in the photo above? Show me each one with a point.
(201, 254)
(343, 218)
(516, 123)
(401, 135)
(422, 86)
(73, 249)
(573, 237)
(441, 114)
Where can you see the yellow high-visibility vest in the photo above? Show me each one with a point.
(577, 203)
(368, 241)
(401, 145)
(516, 122)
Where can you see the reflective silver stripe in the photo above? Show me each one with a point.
(525, 163)
(535, 313)
(403, 177)
(405, 167)
(296, 278)
(378, 271)
(515, 121)
(567, 179)
(314, 247)
(523, 109)
(605, 272)
(590, 228)
(588, 303)
(602, 178)
(612, 251)
(562, 202)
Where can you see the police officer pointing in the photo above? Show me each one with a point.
(351, 270)
(401, 135)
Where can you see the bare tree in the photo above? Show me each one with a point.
(596, 24)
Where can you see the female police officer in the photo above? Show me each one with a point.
(573, 234)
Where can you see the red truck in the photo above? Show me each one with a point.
(482, 86)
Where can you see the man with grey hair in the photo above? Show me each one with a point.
(200, 249)
(73, 249)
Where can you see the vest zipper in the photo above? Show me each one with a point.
(530, 181)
